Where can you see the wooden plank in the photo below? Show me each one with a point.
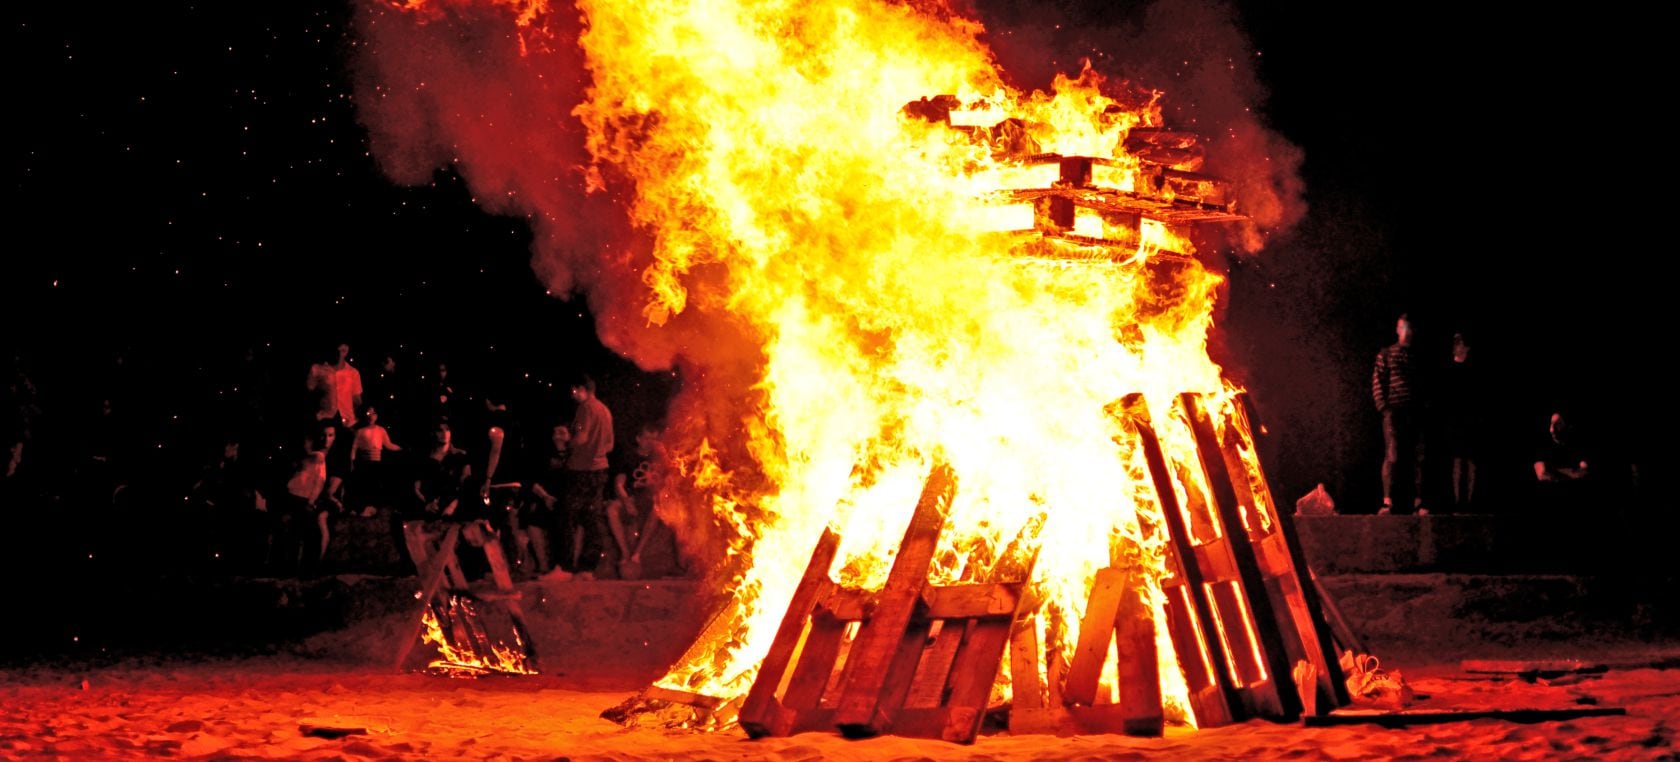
(1529, 666)
(685, 698)
(816, 662)
(970, 601)
(900, 677)
(431, 572)
(1140, 672)
(1403, 718)
(973, 674)
(1217, 708)
(1055, 669)
(1306, 607)
(1222, 484)
(1096, 633)
(1339, 628)
(1025, 687)
(762, 713)
(928, 687)
(848, 604)
(859, 712)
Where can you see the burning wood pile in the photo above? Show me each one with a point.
(1209, 599)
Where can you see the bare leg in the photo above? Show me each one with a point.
(321, 526)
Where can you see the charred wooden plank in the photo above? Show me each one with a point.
(970, 601)
(1224, 498)
(431, 567)
(860, 712)
(1402, 718)
(762, 713)
(1139, 666)
(1213, 707)
(1096, 633)
(972, 676)
(1024, 681)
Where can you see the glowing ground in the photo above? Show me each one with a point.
(258, 708)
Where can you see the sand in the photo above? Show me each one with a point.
(259, 708)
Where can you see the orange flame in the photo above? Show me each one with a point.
(877, 259)
(464, 650)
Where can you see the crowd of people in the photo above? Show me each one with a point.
(1440, 410)
(286, 471)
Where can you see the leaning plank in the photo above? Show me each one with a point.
(1409, 717)
(1139, 667)
(861, 711)
(762, 714)
(431, 577)
(1096, 633)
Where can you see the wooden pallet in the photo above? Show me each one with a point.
(434, 546)
(911, 659)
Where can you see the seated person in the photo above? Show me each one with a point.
(644, 548)
(441, 476)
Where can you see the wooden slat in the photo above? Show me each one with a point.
(848, 604)
(1284, 554)
(1140, 672)
(1410, 717)
(900, 677)
(968, 601)
(762, 713)
(816, 662)
(973, 674)
(928, 687)
(1096, 633)
(1221, 482)
(860, 710)
(1025, 686)
(1215, 709)
(431, 570)
(683, 697)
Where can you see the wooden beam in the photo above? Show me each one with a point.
(762, 713)
(430, 568)
(1306, 607)
(1403, 718)
(1140, 672)
(1025, 686)
(1221, 483)
(970, 601)
(861, 710)
(1096, 633)
(1216, 708)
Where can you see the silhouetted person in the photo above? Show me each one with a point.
(1562, 467)
(346, 387)
(441, 476)
(230, 492)
(370, 486)
(586, 471)
(303, 511)
(544, 515)
(1394, 387)
(635, 528)
(1462, 402)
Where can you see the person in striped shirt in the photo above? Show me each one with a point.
(1394, 387)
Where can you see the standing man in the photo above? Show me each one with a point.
(586, 472)
(346, 387)
(1394, 387)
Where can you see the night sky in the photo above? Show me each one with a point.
(190, 179)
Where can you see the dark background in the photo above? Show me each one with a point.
(189, 180)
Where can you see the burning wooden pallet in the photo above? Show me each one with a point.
(911, 659)
(920, 660)
(450, 616)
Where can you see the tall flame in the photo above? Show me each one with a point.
(764, 153)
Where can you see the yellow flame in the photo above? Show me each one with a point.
(459, 656)
(876, 257)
